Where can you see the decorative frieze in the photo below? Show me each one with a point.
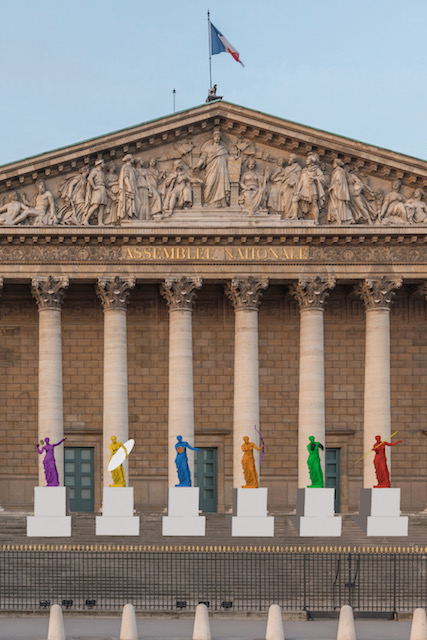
(377, 293)
(311, 293)
(245, 293)
(49, 291)
(114, 292)
(180, 293)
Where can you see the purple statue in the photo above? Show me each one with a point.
(50, 470)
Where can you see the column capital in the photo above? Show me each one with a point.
(114, 291)
(180, 293)
(49, 291)
(377, 293)
(245, 293)
(311, 293)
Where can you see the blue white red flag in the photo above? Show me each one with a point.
(219, 44)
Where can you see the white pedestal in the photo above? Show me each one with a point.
(50, 519)
(117, 513)
(183, 513)
(249, 517)
(315, 515)
(379, 513)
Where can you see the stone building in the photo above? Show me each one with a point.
(204, 274)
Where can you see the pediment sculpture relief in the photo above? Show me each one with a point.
(215, 172)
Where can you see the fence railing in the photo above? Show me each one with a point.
(168, 578)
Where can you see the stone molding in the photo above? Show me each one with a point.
(245, 293)
(114, 292)
(180, 293)
(377, 293)
(49, 291)
(311, 293)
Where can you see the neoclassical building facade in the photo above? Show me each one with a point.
(213, 274)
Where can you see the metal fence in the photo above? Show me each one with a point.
(170, 578)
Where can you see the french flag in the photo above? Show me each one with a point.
(219, 44)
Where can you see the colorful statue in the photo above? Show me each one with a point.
(118, 473)
(181, 461)
(248, 464)
(380, 462)
(314, 467)
(50, 470)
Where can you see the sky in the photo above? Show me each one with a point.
(74, 70)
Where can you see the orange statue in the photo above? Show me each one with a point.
(118, 473)
(248, 463)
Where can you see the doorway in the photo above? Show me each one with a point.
(205, 477)
(79, 477)
(332, 475)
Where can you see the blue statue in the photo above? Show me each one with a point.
(181, 461)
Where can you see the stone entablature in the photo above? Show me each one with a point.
(216, 163)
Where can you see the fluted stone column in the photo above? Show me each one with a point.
(180, 294)
(245, 295)
(311, 294)
(377, 294)
(114, 294)
(49, 293)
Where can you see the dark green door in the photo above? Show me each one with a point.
(332, 476)
(205, 477)
(79, 477)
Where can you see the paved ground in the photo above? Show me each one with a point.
(35, 628)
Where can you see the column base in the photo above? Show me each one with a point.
(117, 513)
(183, 513)
(50, 519)
(250, 518)
(315, 515)
(379, 513)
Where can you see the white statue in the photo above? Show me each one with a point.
(339, 195)
(361, 197)
(129, 204)
(153, 177)
(310, 193)
(215, 160)
(416, 207)
(13, 212)
(393, 210)
(96, 193)
(113, 193)
(73, 192)
(253, 188)
(43, 208)
(291, 180)
(178, 189)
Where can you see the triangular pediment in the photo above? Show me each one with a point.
(217, 164)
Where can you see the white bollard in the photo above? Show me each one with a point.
(274, 629)
(128, 630)
(202, 627)
(56, 629)
(346, 628)
(419, 625)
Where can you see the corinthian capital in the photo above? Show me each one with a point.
(245, 293)
(49, 291)
(377, 293)
(180, 293)
(114, 292)
(311, 293)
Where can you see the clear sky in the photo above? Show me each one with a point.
(73, 70)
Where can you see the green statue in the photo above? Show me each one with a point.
(314, 468)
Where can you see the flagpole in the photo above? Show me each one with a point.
(210, 50)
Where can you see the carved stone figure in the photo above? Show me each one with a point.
(128, 190)
(153, 177)
(181, 461)
(380, 462)
(215, 160)
(310, 191)
(361, 198)
(118, 473)
(291, 180)
(113, 192)
(96, 194)
(49, 464)
(393, 210)
(43, 209)
(416, 207)
(339, 195)
(248, 464)
(13, 212)
(314, 466)
(253, 188)
(73, 192)
(178, 189)
(143, 212)
(275, 200)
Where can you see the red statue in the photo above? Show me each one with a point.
(380, 462)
